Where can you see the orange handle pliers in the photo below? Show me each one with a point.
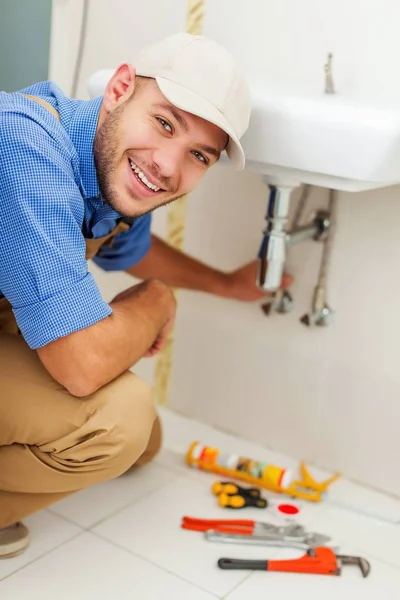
(245, 526)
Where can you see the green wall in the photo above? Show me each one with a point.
(24, 42)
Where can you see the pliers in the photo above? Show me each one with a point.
(256, 530)
(243, 526)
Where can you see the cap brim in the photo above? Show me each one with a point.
(191, 102)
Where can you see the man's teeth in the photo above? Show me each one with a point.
(143, 177)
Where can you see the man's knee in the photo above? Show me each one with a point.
(55, 442)
(114, 435)
(153, 446)
(130, 419)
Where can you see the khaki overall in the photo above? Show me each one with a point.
(53, 444)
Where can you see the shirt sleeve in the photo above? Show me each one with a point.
(43, 269)
(128, 247)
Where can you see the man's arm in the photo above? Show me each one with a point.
(178, 270)
(87, 359)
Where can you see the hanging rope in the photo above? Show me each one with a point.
(175, 230)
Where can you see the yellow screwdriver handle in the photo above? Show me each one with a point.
(232, 489)
(231, 501)
(227, 488)
(239, 501)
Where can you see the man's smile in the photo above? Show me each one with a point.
(145, 183)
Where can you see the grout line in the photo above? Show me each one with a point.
(155, 564)
(114, 512)
(131, 503)
(248, 575)
(67, 519)
(40, 556)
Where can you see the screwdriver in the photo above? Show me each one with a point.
(231, 495)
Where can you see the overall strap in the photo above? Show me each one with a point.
(49, 107)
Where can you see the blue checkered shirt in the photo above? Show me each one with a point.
(49, 204)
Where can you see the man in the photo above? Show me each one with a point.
(79, 180)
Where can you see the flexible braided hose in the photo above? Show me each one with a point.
(328, 243)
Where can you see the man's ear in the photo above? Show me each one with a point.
(120, 87)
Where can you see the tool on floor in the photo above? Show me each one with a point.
(313, 542)
(239, 501)
(231, 488)
(323, 561)
(271, 477)
(260, 531)
(231, 495)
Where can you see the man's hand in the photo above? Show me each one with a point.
(160, 340)
(164, 332)
(178, 270)
(241, 283)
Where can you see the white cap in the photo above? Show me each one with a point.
(201, 77)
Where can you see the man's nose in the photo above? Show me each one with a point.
(168, 160)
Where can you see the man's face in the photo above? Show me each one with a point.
(148, 152)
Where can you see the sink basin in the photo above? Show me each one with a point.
(332, 141)
(299, 135)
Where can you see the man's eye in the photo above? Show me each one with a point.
(200, 156)
(165, 124)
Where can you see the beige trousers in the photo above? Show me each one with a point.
(53, 444)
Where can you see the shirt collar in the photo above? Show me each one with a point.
(82, 131)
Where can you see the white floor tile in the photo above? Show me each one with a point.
(363, 501)
(94, 504)
(89, 568)
(151, 528)
(383, 582)
(47, 531)
(377, 539)
(360, 500)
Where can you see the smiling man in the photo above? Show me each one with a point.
(78, 180)
(159, 152)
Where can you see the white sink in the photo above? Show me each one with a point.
(298, 135)
(332, 141)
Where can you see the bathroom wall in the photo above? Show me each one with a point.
(329, 396)
(24, 42)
